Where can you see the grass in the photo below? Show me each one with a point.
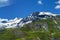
(29, 32)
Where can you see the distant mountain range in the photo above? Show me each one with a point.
(20, 22)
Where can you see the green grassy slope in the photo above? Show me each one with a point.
(37, 30)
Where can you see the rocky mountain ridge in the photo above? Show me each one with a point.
(19, 22)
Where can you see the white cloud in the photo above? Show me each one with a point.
(39, 2)
(4, 3)
(58, 2)
(57, 7)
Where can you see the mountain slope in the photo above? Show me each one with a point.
(13, 23)
(37, 26)
(43, 30)
(40, 29)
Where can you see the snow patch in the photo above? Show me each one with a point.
(47, 13)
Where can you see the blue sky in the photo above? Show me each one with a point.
(22, 8)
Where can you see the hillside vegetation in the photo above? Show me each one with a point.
(48, 29)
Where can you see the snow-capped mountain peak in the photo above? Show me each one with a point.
(19, 22)
(10, 23)
(47, 13)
